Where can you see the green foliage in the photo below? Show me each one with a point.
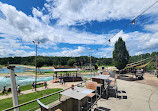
(6, 103)
(55, 61)
(71, 62)
(23, 88)
(151, 65)
(40, 62)
(120, 54)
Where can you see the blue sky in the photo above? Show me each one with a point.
(72, 27)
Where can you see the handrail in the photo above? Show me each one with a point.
(38, 98)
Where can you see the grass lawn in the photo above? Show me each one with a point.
(23, 88)
(7, 103)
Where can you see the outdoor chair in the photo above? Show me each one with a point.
(43, 107)
(113, 85)
(93, 86)
(114, 80)
(99, 84)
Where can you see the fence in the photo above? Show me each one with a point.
(33, 105)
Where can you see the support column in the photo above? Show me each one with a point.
(156, 67)
(13, 87)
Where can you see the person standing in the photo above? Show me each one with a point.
(45, 85)
(35, 85)
(62, 81)
(32, 86)
(18, 89)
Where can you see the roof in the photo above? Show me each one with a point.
(143, 65)
(134, 65)
(65, 70)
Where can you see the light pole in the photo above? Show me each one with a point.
(91, 59)
(156, 67)
(36, 43)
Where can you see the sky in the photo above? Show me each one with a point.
(72, 27)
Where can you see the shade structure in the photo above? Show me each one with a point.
(66, 70)
(134, 65)
(143, 65)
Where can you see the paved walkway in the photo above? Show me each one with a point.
(50, 86)
(138, 97)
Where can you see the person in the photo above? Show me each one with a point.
(45, 85)
(18, 89)
(4, 89)
(62, 81)
(32, 86)
(35, 85)
(102, 67)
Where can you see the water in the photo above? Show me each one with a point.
(22, 80)
(19, 69)
(26, 80)
(88, 76)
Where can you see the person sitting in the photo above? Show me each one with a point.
(4, 89)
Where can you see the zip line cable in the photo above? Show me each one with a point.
(132, 21)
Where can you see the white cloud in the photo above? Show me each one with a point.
(105, 52)
(151, 27)
(138, 53)
(70, 52)
(8, 53)
(37, 13)
(71, 12)
(30, 28)
(16, 24)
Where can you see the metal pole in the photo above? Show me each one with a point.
(90, 61)
(13, 87)
(156, 66)
(36, 65)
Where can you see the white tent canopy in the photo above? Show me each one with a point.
(66, 70)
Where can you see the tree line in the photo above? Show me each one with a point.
(56, 61)
(70, 61)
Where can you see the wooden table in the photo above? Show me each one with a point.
(101, 77)
(78, 93)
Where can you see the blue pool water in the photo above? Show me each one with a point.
(88, 76)
(22, 69)
(26, 80)
(22, 80)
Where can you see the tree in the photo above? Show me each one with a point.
(70, 62)
(120, 54)
(40, 63)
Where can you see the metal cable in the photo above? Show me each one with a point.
(131, 22)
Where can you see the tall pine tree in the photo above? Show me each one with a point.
(120, 54)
